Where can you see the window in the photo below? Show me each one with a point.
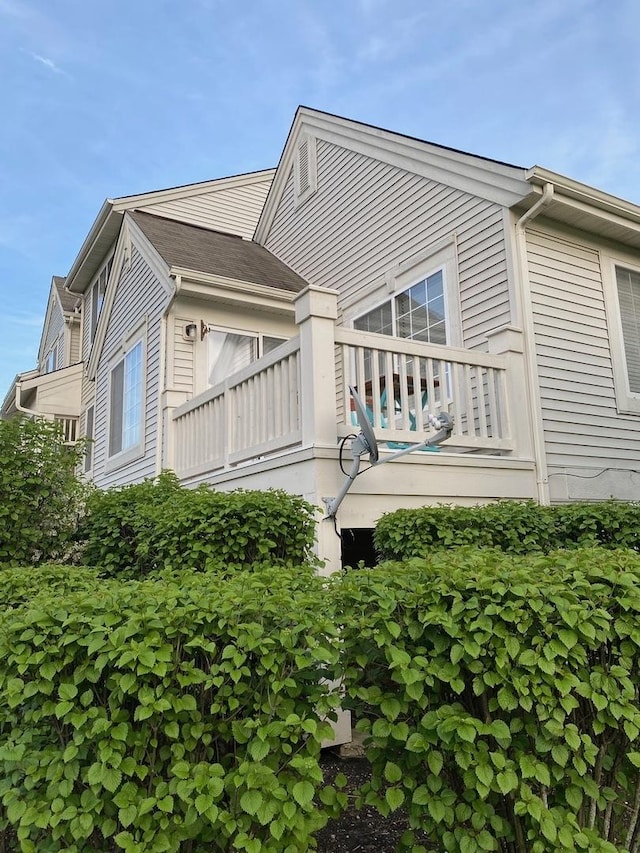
(88, 431)
(622, 294)
(230, 351)
(125, 417)
(50, 364)
(97, 295)
(628, 287)
(417, 313)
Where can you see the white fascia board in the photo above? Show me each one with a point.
(189, 190)
(488, 179)
(89, 241)
(594, 198)
(207, 285)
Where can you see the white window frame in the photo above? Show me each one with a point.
(411, 272)
(135, 451)
(50, 362)
(627, 401)
(89, 435)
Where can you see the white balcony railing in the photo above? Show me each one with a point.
(252, 413)
(403, 381)
(69, 427)
(298, 396)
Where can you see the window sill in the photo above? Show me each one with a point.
(125, 457)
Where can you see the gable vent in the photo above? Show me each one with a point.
(304, 170)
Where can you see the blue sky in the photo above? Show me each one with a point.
(101, 98)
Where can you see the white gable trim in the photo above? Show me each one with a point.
(107, 223)
(190, 190)
(496, 182)
(130, 235)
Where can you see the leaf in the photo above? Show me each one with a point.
(437, 810)
(111, 778)
(507, 781)
(485, 774)
(421, 796)
(466, 732)
(394, 797)
(392, 773)
(166, 804)
(303, 793)
(203, 803)
(574, 796)
(501, 732)
(251, 801)
(435, 761)
(127, 815)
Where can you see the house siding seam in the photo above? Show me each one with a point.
(368, 216)
(582, 427)
(234, 210)
(139, 294)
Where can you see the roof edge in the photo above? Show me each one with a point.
(496, 179)
(599, 199)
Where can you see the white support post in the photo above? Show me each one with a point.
(516, 408)
(316, 314)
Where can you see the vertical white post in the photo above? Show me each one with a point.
(509, 342)
(316, 314)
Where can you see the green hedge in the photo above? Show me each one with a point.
(158, 524)
(515, 526)
(169, 715)
(500, 695)
(19, 585)
(40, 496)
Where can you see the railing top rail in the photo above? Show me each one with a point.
(285, 350)
(404, 346)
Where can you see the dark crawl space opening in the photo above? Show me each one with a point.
(357, 546)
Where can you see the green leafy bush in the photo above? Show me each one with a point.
(158, 524)
(520, 527)
(40, 496)
(500, 696)
(19, 585)
(169, 715)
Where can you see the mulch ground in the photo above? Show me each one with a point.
(358, 830)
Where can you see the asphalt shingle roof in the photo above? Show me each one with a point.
(196, 248)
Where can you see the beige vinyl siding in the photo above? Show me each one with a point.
(139, 295)
(582, 427)
(367, 216)
(234, 210)
(74, 348)
(54, 335)
(183, 358)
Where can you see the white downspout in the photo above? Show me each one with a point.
(19, 405)
(531, 362)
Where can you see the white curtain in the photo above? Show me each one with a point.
(228, 353)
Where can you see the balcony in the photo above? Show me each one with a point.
(297, 398)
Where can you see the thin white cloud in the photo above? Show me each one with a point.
(48, 63)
